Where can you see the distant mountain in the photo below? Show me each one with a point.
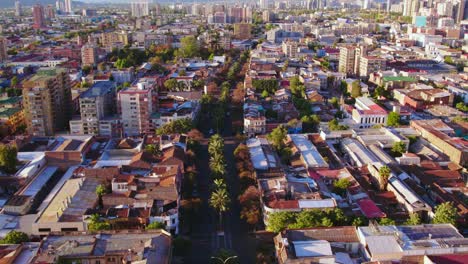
(11, 3)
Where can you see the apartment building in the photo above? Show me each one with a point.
(89, 56)
(136, 106)
(347, 59)
(367, 113)
(370, 64)
(350, 58)
(96, 103)
(242, 30)
(3, 49)
(110, 39)
(47, 100)
(290, 48)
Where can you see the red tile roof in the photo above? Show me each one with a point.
(370, 209)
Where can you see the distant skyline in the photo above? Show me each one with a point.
(11, 3)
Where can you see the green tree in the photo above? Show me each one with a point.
(277, 137)
(216, 145)
(14, 81)
(310, 123)
(270, 85)
(155, 225)
(398, 149)
(384, 174)
(179, 126)
(153, 149)
(334, 101)
(393, 119)
(220, 200)
(171, 84)
(8, 158)
(265, 94)
(356, 89)
(340, 186)
(445, 213)
(218, 165)
(189, 47)
(359, 221)
(279, 221)
(386, 221)
(96, 224)
(100, 191)
(462, 106)
(334, 125)
(15, 237)
(413, 219)
(86, 69)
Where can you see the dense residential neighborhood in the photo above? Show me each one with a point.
(270, 131)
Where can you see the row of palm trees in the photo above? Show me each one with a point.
(219, 199)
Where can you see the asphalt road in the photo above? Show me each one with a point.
(206, 240)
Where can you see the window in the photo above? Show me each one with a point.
(69, 229)
(44, 230)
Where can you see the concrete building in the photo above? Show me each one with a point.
(110, 40)
(370, 64)
(347, 60)
(242, 31)
(89, 56)
(410, 7)
(18, 8)
(317, 245)
(96, 103)
(367, 113)
(140, 8)
(439, 135)
(290, 48)
(390, 243)
(150, 246)
(38, 16)
(136, 106)
(47, 100)
(49, 12)
(3, 49)
(68, 7)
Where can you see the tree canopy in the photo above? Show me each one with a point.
(155, 225)
(445, 213)
(265, 85)
(189, 47)
(15, 237)
(306, 219)
(384, 174)
(393, 119)
(8, 157)
(178, 126)
(277, 137)
(398, 148)
(334, 125)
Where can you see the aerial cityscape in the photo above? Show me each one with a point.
(234, 132)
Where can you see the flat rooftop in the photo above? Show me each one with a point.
(71, 201)
(98, 89)
(36, 185)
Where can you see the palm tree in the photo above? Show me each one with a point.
(218, 168)
(220, 184)
(220, 202)
(100, 191)
(216, 144)
(384, 174)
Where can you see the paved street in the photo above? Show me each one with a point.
(205, 240)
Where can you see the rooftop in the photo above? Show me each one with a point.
(151, 246)
(98, 89)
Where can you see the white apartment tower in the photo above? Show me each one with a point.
(140, 8)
